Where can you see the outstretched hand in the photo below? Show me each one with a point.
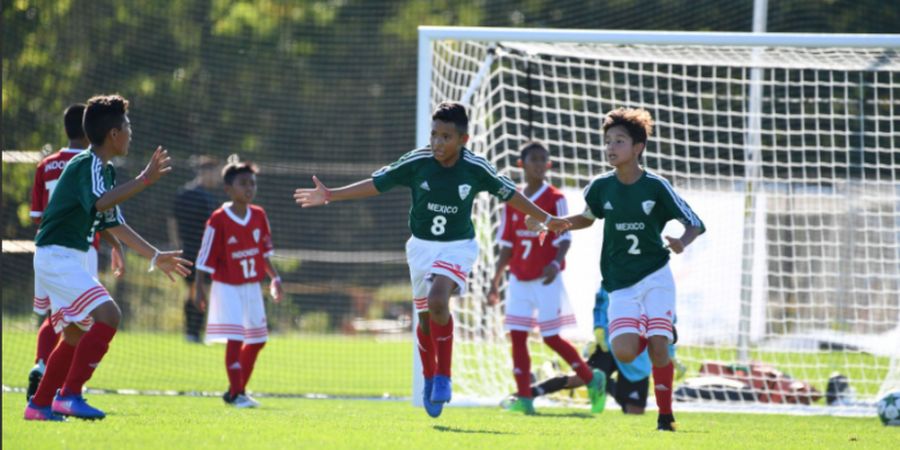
(159, 165)
(307, 198)
(172, 261)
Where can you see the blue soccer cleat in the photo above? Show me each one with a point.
(433, 409)
(33, 412)
(75, 406)
(442, 390)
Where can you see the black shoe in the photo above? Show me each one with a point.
(34, 379)
(665, 422)
(227, 397)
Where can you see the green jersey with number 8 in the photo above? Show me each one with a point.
(634, 217)
(442, 197)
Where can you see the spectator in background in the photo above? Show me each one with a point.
(193, 205)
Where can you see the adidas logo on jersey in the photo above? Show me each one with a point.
(424, 186)
(608, 206)
(232, 240)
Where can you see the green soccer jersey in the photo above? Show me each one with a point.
(442, 196)
(70, 219)
(634, 217)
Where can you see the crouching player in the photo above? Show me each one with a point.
(235, 251)
(86, 200)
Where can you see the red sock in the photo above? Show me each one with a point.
(662, 385)
(90, 350)
(46, 341)
(233, 367)
(521, 362)
(568, 353)
(442, 337)
(248, 359)
(58, 364)
(426, 352)
(642, 344)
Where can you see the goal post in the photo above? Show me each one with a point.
(785, 144)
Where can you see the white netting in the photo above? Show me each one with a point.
(800, 268)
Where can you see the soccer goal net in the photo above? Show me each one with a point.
(785, 145)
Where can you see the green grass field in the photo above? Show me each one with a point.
(355, 367)
(186, 422)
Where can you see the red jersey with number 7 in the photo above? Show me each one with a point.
(529, 257)
(234, 248)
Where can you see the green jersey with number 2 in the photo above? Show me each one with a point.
(634, 217)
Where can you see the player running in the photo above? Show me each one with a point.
(635, 205)
(444, 179)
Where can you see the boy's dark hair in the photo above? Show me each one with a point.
(73, 118)
(637, 121)
(103, 113)
(530, 146)
(454, 113)
(235, 167)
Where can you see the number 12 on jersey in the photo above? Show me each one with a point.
(249, 267)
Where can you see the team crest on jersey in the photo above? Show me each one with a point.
(256, 235)
(464, 191)
(648, 206)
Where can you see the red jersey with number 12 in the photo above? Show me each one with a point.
(529, 257)
(234, 248)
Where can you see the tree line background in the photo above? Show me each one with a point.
(301, 87)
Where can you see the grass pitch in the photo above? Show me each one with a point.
(190, 422)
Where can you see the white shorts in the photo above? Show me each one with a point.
(65, 286)
(648, 306)
(426, 259)
(236, 313)
(524, 298)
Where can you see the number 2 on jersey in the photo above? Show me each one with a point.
(634, 250)
(249, 266)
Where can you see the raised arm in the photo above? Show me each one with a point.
(322, 195)
(168, 262)
(159, 165)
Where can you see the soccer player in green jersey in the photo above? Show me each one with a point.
(444, 179)
(635, 205)
(86, 199)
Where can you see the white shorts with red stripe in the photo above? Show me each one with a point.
(64, 285)
(426, 259)
(646, 306)
(41, 303)
(236, 313)
(549, 301)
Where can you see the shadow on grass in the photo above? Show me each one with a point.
(447, 429)
(566, 415)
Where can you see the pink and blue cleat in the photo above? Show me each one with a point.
(75, 406)
(34, 412)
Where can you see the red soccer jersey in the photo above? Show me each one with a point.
(529, 257)
(234, 248)
(45, 178)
